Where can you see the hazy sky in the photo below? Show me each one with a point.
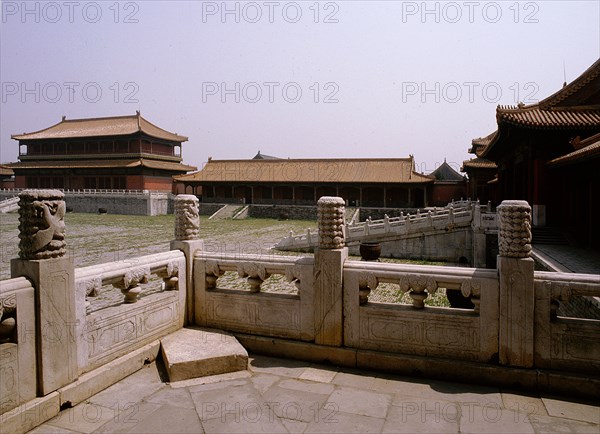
(291, 79)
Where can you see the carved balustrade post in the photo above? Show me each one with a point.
(43, 259)
(515, 269)
(479, 238)
(329, 263)
(187, 239)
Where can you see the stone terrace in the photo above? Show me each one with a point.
(280, 396)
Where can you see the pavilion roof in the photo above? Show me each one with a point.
(101, 127)
(349, 170)
(478, 163)
(478, 144)
(445, 172)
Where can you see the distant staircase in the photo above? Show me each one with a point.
(352, 215)
(548, 235)
(9, 205)
(227, 212)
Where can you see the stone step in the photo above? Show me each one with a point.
(548, 235)
(198, 352)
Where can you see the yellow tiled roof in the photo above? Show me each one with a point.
(368, 170)
(101, 127)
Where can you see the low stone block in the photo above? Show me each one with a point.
(192, 353)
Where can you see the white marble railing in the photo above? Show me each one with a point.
(116, 330)
(430, 220)
(560, 342)
(17, 343)
(468, 334)
(278, 314)
(9, 205)
(89, 191)
(127, 275)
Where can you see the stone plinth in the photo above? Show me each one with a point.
(516, 339)
(192, 353)
(55, 328)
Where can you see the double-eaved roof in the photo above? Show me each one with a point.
(101, 127)
(101, 164)
(339, 170)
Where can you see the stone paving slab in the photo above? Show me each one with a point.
(280, 396)
(195, 352)
(575, 259)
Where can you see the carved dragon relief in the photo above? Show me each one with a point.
(42, 226)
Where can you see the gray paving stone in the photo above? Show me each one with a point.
(361, 402)
(548, 424)
(234, 402)
(48, 428)
(273, 366)
(84, 418)
(424, 416)
(179, 397)
(169, 419)
(295, 404)
(129, 417)
(359, 381)
(492, 418)
(339, 422)
(306, 386)
(530, 405)
(217, 386)
(294, 426)
(132, 389)
(572, 410)
(448, 392)
(321, 374)
(262, 382)
(264, 424)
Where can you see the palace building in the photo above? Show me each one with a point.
(548, 154)
(120, 152)
(368, 182)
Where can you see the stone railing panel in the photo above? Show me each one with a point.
(106, 334)
(421, 330)
(18, 376)
(255, 312)
(565, 343)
